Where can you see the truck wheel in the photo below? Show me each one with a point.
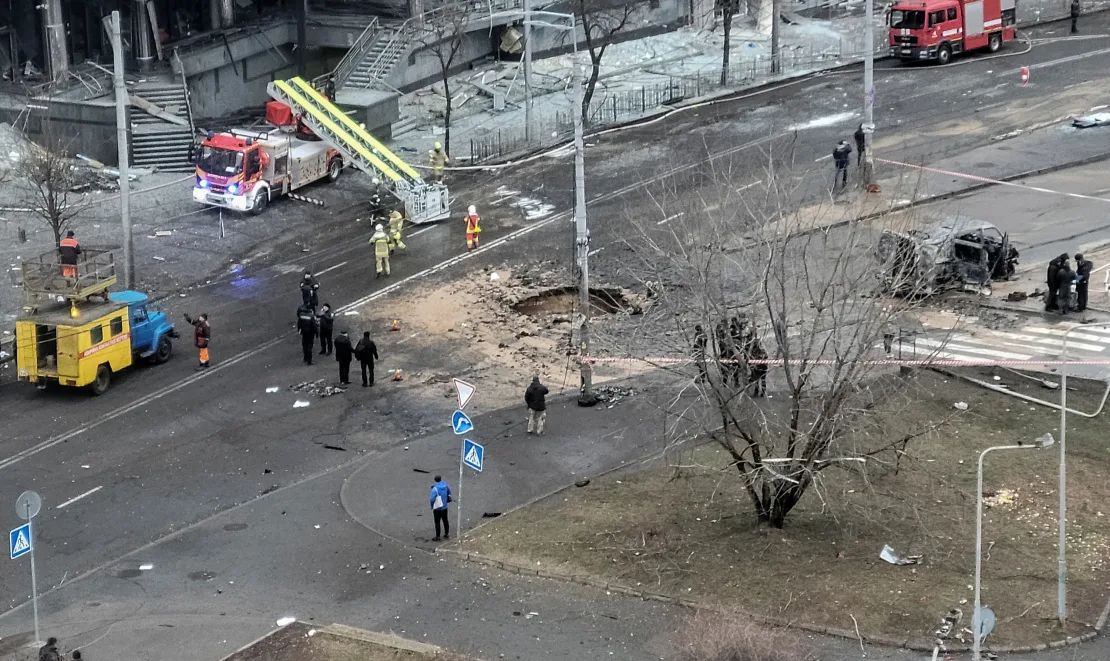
(944, 55)
(260, 201)
(164, 350)
(103, 380)
(335, 168)
(995, 42)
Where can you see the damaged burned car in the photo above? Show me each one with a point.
(951, 253)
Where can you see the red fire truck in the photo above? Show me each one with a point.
(938, 29)
(245, 170)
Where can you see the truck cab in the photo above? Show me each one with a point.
(935, 30)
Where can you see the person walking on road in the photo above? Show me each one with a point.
(1083, 268)
(473, 227)
(343, 354)
(325, 321)
(861, 145)
(842, 155)
(439, 160)
(309, 289)
(380, 241)
(396, 223)
(68, 250)
(306, 326)
(438, 499)
(536, 399)
(1076, 9)
(202, 335)
(701, 346)
(757, 373)
(366, 352)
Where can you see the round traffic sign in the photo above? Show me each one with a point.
(28, 504)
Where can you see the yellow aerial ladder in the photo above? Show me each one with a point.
(424, 201)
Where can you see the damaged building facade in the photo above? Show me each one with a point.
(193, 63)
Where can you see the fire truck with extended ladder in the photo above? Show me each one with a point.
(935, 30)
(285, 162)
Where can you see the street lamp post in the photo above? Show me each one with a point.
(976, 617)
(869, 94)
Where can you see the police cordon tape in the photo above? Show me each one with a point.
(909, 362)
(988, 180)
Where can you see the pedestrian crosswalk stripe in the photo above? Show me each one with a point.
(1072, 336)
(957, 346)
(1057, 343)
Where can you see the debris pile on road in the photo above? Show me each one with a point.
(613, 394)
(1000, 498)
(320, 388)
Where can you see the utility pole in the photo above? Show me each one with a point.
(302, 36)
(122, 148)
(776, 61)
(586, 396)
(528, 71)
(869, 94)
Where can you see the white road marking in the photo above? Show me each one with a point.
(594, 252)
(419, 232)
(407, 338)
(670, 218)
(1055, 343)
(331, 268)
(955, 346)
(821, 158)
(77, 498)
(1073, 336)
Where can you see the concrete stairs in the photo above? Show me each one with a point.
(402, 126)
(155, 142)
(380, 58)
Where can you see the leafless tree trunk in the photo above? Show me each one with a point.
(728, 10)
(47, 175)
(601, 20)
(445, 30)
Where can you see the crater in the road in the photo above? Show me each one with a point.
(564, 301)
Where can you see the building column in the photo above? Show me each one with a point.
(54, 29)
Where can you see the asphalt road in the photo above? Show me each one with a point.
(168, 448)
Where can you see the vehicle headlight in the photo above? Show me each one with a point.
(202, 182)
(233, 189)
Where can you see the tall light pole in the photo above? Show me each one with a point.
(869, 93)
(122, 151)
(976, 617)
(528, 71)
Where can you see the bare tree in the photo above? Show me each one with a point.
(754, 286)
(601, 20)
(48, 176)
(445, 32)
(728, 8)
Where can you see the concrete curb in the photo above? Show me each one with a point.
(383, 639)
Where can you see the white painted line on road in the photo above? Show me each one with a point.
(956, 346)
(594, 252)
(146, 567)
(331, 268)
(670, 218)
(747, 186)
(77, 498)
(407, 338)
(988, 180)
(1070, 58)
(1073, 336)
(822, 158)
(419, 232)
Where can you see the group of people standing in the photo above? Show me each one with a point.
(1061, 277)
(738, 349)
(313, 323)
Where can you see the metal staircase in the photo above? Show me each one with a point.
(157, 143)
(424, 201)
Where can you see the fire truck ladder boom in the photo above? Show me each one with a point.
(423, 201)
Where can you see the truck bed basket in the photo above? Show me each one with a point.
(94, 273)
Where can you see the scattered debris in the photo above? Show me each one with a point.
(163, 232)
(582, 482)
(320, 388)
(1002, 497)
(893, 558)
(613, 393)
(420, 470)
(960, 406)
(334, 447)
(1016, 296)
(272, 389)
(1092, 120)
(286, 621)
(157, 258)
(300, 404)
(490, 515)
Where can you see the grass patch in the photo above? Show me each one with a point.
(301, 642)
(689, 531)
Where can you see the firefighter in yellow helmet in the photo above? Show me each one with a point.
(396, 222)
(473, 227)
(439, 161)
(380, 241)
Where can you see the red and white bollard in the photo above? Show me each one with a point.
(1024, 76)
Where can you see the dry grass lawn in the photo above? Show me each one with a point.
(689, 531)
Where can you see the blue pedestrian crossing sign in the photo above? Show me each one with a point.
(19, 540)
(473, 454)
(461, 423)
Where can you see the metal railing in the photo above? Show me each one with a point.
(355, 53)
(46, 275)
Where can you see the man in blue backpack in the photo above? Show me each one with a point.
(438, 499)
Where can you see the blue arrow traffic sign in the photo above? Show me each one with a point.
(473, 455)
(19, 540)
(460, 423)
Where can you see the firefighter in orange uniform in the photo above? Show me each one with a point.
(68, 250)
(473, 227)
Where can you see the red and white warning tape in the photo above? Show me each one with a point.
(926, 362)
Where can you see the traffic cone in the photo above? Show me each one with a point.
(1024, 76)
(397, 376)
(396, 325)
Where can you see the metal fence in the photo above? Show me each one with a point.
(611, 108)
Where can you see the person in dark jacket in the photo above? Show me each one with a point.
(842, 155)
(757, 373)
(202, 335)
(438, 499)
(343, 354)
(366, 352)
(1083, 268)
(861, 144)
(306, 326)
(49, 651)
(1064, 277)
(325, 321)
(535, 398)
(1076, 9)
(309, 289)
(1050, 281)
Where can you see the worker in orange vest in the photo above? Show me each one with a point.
(68, 250)
(473, 227)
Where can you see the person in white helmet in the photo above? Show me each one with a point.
(380, 240)
(439, 161)
(473, 227)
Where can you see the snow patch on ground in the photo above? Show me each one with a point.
(827, 120)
